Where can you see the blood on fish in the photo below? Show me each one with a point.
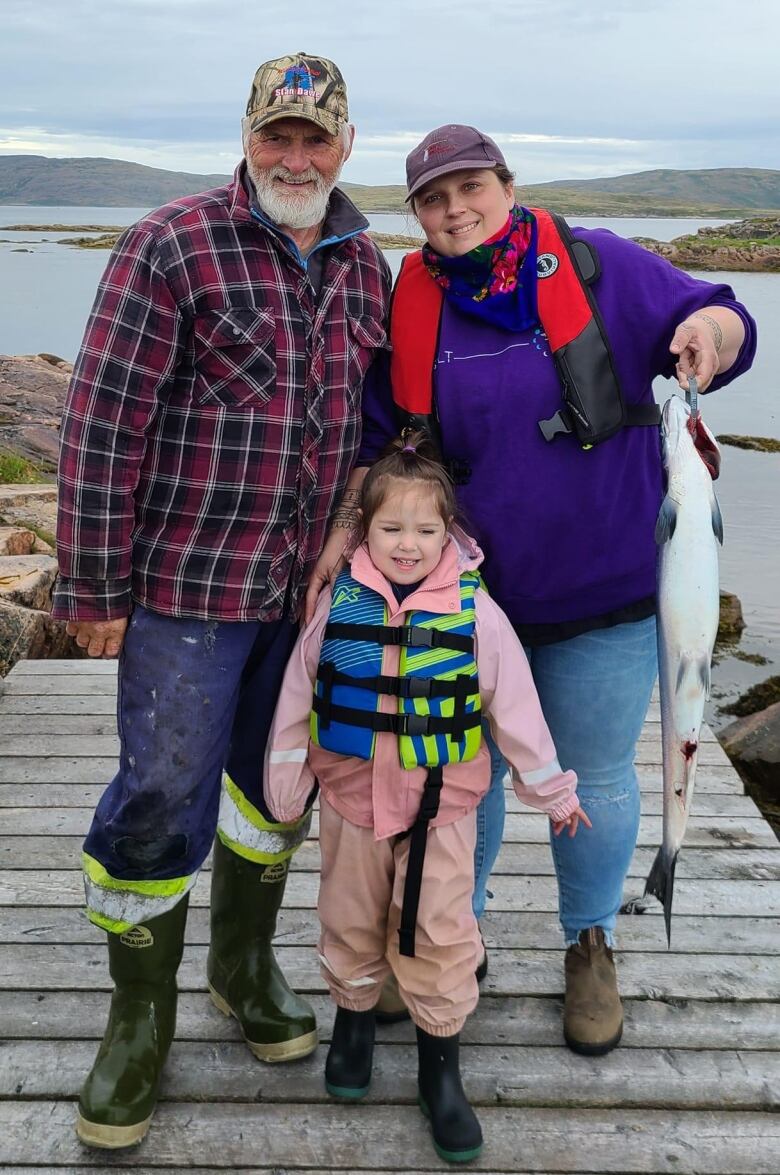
(689, 749)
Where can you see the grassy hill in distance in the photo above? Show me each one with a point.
(99, 183)
(747, 187)
(35, 180)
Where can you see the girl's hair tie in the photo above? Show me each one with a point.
(409, 449)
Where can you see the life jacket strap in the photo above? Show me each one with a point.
(418, 842)
(408, 724)
(411, 636)
(398, 687)
(562, 423)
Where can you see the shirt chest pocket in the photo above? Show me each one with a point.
(365, 336)
(235, 357)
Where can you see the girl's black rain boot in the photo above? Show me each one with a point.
(351, 1054)
(457, 1134)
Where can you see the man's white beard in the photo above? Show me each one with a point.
(288, 208)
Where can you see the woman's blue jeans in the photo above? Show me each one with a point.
(594, 690)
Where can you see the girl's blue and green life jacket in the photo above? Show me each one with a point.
(439, 711)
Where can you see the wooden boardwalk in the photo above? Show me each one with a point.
(694, 1088)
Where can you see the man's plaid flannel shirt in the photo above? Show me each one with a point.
(213, 416)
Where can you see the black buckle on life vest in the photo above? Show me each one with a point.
(416, 687)
(412, 723)
(558, 424)
(412, 636)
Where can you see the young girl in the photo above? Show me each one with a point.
(382, 705)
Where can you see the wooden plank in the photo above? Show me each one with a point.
(704, 804)
(22, 718)
(501, 929)
(58, 819)
(332, 1137)
(65, 667)
(86, 794)
(495, 1075)
(647, 974)
(498, 1020)
(531, 860)
(720, 898)
(104, 746)
(69, 685)
(90, 704)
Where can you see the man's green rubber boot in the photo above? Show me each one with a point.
(244, 978)
(120, 1094)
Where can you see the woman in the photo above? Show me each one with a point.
(532, 349)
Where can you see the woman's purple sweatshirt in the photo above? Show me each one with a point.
(567, 533)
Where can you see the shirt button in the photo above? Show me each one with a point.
(236, 331)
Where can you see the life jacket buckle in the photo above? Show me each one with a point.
(412, 724)
(413, 636)
(417, 687)
(559, 424)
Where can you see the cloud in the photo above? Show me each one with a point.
(570, 86)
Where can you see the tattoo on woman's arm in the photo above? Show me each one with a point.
(714, 326)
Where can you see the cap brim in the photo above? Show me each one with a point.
(446, 168)
(320, 118)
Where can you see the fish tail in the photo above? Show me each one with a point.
(660, 883)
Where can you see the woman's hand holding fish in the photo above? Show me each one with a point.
(572, 823)
(696, 344)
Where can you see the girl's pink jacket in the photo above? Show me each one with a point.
(379, 793)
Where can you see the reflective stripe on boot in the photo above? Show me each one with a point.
(244, 978)
(120, 1093)
(593, 1014)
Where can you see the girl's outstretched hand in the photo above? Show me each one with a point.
(572, 823)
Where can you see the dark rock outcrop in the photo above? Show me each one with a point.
(731, 622)
(759, 444)
(753, 745)
(32, 396)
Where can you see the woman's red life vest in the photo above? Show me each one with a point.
(594, 407)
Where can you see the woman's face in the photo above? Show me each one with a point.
(460, 210)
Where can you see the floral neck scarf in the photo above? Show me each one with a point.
(496, 281)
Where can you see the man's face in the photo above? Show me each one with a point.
(294, 165)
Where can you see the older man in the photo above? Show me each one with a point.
(211, 426)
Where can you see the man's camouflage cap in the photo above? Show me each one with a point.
(299, 86)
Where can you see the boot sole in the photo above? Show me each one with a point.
(464, 1156)
(111, 1137)
(587, 1049)
(352, 1093)
(272, 1053)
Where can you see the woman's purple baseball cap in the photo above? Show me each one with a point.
(449, 148)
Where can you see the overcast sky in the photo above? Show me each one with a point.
(569, 88)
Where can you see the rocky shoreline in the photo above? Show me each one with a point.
(745, 246)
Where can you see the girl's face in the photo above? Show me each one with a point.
(406, 534)
(460, 210)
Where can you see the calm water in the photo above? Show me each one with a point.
(47, 289)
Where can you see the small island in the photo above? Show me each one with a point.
(750, 245)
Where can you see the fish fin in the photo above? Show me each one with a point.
(660, 883)
(704, 674)
(717, 520)
(701, 671)
(666, 522)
